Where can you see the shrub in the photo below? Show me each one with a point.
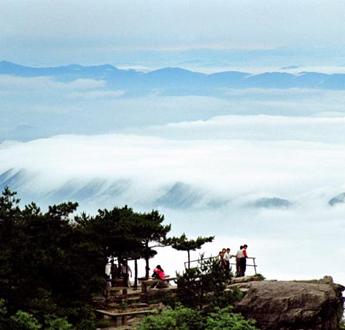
(181, 318)
(204, 287)
(87, 324)
(184, 318)
(225, 319)
(24, 321)
(58, 324)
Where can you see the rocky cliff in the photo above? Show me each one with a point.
(288, 305)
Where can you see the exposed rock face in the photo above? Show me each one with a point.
(287, 305)
(272, 203)
(339, 199)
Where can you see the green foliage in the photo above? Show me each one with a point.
(51, 263)
(124, 233)
(204, 287)
(184, 318)
(86, 325)
(182, 243)
(225, 319)
(151, 229)
(205, 297)
(58, 324)
(24, 321)
(180, 318)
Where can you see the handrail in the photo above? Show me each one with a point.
(254, 265)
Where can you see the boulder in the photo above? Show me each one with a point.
(287, 305)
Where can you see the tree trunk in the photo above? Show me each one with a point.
(147, 266)
(135, 273)
(188, 251)
(126, 275)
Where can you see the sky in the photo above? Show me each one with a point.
(152, 32)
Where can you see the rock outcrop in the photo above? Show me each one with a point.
(292, 305)
(339, 199)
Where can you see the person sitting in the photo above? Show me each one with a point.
(159, 275)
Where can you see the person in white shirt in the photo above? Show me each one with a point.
(126, 272)
(239, 255)
(108, 270)
(227, 257)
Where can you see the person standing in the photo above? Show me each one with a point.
(107, 273)
(239, 255)
(221, 259)
(243, 260)
(227, 257)
(126, 272)
(114, 272)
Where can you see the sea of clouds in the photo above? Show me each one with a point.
(246, 165)
(215, 170)
(36, 107)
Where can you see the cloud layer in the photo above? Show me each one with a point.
(42, 106)
(208, 185)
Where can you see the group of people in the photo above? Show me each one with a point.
(241, 260)
(123, 272)
(224, 257)
(241, 256)
(120, 271)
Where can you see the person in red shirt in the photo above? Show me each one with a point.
(158, 273)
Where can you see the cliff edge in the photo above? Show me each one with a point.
(292, 305)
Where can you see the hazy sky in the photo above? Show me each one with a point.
(54, 32)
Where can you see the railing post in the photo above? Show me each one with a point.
(254, 264)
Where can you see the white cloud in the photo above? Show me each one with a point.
(44, 84)
(101, 94)
(288, 243)
(83, 84)
(259, 127)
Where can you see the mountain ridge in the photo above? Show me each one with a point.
(176, 77)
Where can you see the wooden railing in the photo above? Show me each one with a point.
(233, 264)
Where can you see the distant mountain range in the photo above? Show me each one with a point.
(177, 79)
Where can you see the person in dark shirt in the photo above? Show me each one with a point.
(243, 260)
